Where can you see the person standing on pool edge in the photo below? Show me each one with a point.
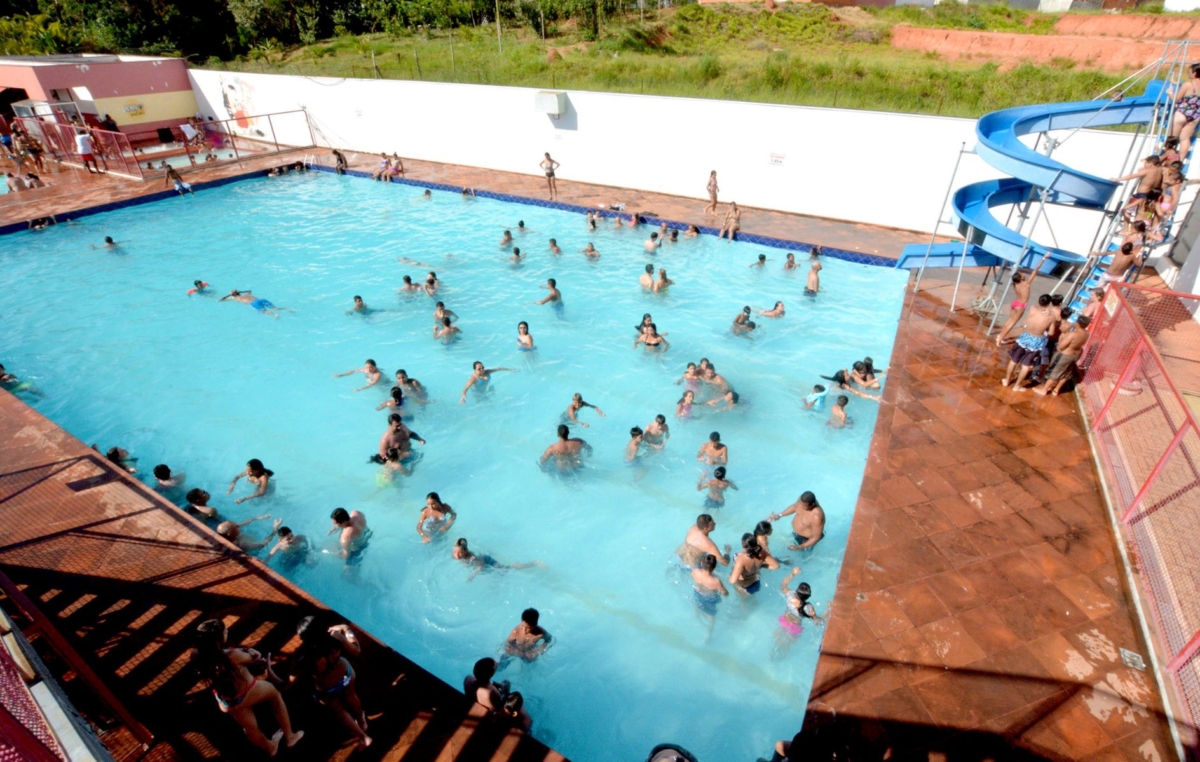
(548, 165)
(808, 521)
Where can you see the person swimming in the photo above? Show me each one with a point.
(198, 287)
(653, 340)
(524, 338)
(480, 380)
(484, 562)
(707, 588)
(447, 332)
(395, 401)
(683, 408)
(747, 564)
(716, 487)
(816, 399)
(791, 622)
(257, 303)
(435, 518)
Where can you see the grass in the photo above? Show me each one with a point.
(801, 55)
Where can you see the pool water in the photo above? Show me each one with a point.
(125, 357)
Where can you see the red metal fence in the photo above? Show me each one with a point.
(1143, 368)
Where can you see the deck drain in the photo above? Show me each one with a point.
(1131, 659)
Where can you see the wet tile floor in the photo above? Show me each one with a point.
(982, 604)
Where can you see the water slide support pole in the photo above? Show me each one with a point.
(1028, 238)
(933, 238)
(962, 261)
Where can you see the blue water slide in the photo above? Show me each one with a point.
(999, 143)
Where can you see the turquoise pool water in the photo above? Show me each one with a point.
(125, 357)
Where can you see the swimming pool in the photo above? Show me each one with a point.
(125, 357)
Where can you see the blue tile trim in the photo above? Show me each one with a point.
(776, 243)
(856, 257)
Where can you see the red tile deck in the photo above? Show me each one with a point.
(125, 577)
(981, 603)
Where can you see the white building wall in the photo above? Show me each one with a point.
(863, 166)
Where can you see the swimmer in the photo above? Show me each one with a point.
(744, 329)
(232, 531)
(747, 565)
(707, 587)
(118, 456)
(775, 312)
(860, 376)
(683, 408)
(447, 332)
(437, 515)
(760, 262)
(165, 480)
(11, 383)
(428, 194)
(652, 339)
(567, 452)
(255, 474)
(641, 327)
(480, 380)
(791, 622)
(790, 264)
(716, 487)
(577, 404)
(352, 532)
(691, 232)
(657, 432)
(198, 287)
(506, 240)
(412, 387)
(663, 282)
(369, 369)
(691, 376)
(729, 399)
(291, 547)
(841, 380)
(633, 449)
(359, 307)
(393, 463)
(813, 285)
(468, 193)
(524, 338)
(397, 436)
(808, 521)
(762, 533)
(197, 504)
(181, 186)
(261, 305)
(431, 283)
(713, 452)
(652, 244)
(408, 286)
(108, 244)
(516, 258)
(554, 296)
(714, 379)
(592, 217)
(742, 317)
(395, 401)
(554, 250)
(440, 312)
(697, 543)
(816, 400)
(674, 236)
(483, 562)
(590, 252)
(646, 279)
(528, 640)
(837, 414)
(815, 252)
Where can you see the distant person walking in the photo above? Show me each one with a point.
(83, 144)
(548, 165)
(713, 189)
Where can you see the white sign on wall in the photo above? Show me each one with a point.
(776, 159)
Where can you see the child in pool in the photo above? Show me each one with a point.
(683, 408)
(791, 622)
(837, 416)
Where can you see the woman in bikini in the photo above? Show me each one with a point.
(524, 339)
(747, 564)
(480, 380)
(1187, 110)
(733, 222)
(548, 165)
(653, 341)
(713, 190)
(435, 518)
(333, 683)
(230, 674)
(412, 386)
(257, 475)
(775, 312)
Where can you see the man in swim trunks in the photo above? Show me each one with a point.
(1062, 365)
(647, 278)
(808, 521)
(397, 436)
(633, 449)
(197, 504)
(527, 640)
(708, 588)
(716, 380)
(1027, 351)
(716, 488)
(1149, 178)
(352, 532)
(447, 332)
(291, 547)
(181, 186)
(697, 543)
(359, 306)
(1122, 259)
(814, 279)
(742, 317)
(567, 452)
(481, 562)
(652, 244)
(261, 305)
(657, 432)
(369, 369)
(554, 296)
(713, 452)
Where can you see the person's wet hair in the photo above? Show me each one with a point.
(704, 521)
(763, 528)
(719, 472)
(370, 363)
(1140, 226)
(108, 239)
(819, 387)
(530, 617)
(397, 395)
(357, 298)
(808, 498)
(1127, 247)
(649, 269)
(284, 532)
(804, 592)
(195, 496)
(1084, 321)
(843, 400)
(394, 418)
(408, 279)
(563, 431)
(1044, 300)
(484, 670)
(660, 418)
(514, 702)
(860, 366)
(636, 431)
(162, 471)
(746, 310)
(709, 562)
(446, 322)
(753, 549)
(516, 251)
(198, 283)
(1154, 160)
(1018, 277)
(553, 283)
(715, 436)
(256, 466)
(1057, 299)
(461, 542)
(340, 516)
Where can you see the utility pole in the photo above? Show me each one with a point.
(499, 41)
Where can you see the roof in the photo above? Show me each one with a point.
(71, 59)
